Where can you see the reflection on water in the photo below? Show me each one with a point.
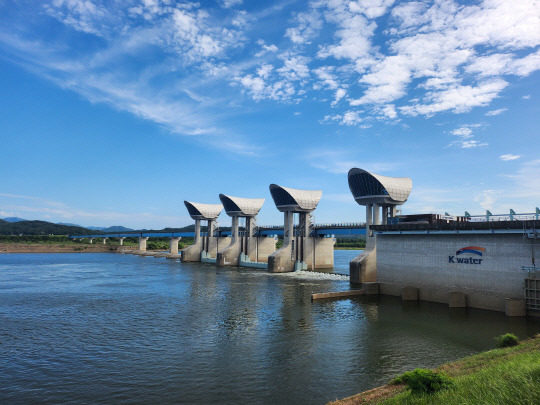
(118, 328)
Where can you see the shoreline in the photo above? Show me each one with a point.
(467, 369)
(45, 248)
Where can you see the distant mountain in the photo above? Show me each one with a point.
(68, 224)
(14, 219)
(41, 228)
(116, 229)
(95, 228)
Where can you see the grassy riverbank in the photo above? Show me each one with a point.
(500, 376)
(63, 244)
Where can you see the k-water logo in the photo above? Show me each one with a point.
(472, 250)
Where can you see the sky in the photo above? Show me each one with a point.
(115, 112)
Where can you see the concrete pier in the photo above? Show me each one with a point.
(121, 241)
(376, 192)
(173, 245)
(142, 243)
(300, 251)
(209, 244)
(246, 246)
(105, 241)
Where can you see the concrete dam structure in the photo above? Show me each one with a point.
(203, 247)
(244, 247)
(476, 264)
(300, 251)
(487, 265)
(377, 193)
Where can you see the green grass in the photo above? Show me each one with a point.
(501, 376)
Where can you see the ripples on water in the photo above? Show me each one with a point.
(102, 328)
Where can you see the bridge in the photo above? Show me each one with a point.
(344, 230)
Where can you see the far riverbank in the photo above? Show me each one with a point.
(49, 248)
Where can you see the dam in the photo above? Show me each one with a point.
(451, 260)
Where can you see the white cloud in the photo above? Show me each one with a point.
(458, 99)
(465, 133)
(509, 157)
(294, 68)
(526, 97)
(340, 93)
(496, 112)
(486, 199)
(231, 3)
(472, 144)
(308, 25)
(265, 48)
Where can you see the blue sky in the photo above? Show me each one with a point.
(116, 112)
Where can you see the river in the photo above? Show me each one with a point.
(111, 328)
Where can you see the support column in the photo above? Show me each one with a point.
(91, 240)
(173, 245)
(105, 241)
(209, 233)
(282, 260)
(376, 212)
(234, 230)
(142, 243)
(304, 236)
(369, 218)
(384, 214)
(249, 231)
(393, 210)
(230, 255)
(288, 226)
(197, 231)
(192, 253)
(121, 240)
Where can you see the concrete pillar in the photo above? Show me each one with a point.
(121, 240)
(197, 231)
(229, 256)
(288, 227)
(393, 210)
(369, 217)
(192, 253)
(91, 240)
(142, 243)
(376, 212)
(234, 229)
(304, 237)
(281, 260)
(105, 241)
(384, 214)
(173, 245)
(210, 233)
(249, 233)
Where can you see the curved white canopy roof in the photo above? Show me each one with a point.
(370, 188)
(291, 199)
(203, 211)
(241, 207)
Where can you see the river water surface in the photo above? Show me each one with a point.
(110, 328)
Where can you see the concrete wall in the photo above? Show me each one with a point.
(425, 262)
(319, 253)
(260, 248)
(363, 268)
(230, 253)
(216, 244)
(192, 253)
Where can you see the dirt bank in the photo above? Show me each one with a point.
(45, 248)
